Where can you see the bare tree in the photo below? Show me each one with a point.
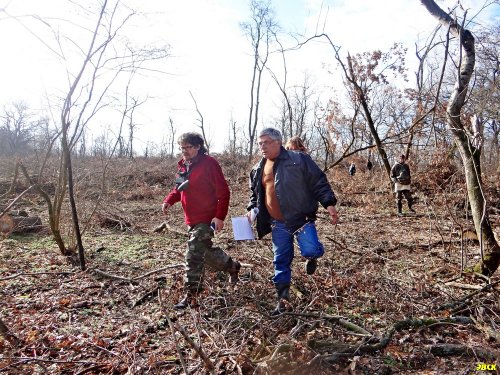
(468, 139)
(483, 100)
(132, 125)
(172, 136)
(201, 123)
(105, 58)
(232, 137)
(15, 128)
(260, 30)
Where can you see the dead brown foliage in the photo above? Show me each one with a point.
(397, 278)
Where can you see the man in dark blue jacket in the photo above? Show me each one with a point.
(286, 188)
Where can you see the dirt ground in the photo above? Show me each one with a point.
(389, 295)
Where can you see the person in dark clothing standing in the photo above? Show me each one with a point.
(286, 187)
(401, 176)
(352, 169)
(204, 194)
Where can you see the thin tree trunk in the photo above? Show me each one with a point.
(71, 193)
(471, 155)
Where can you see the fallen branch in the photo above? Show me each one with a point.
(110, 276)
(197, 349)
(181, 358)
(146, 297)
(133, 279)
(337, 350)
(445, 350)
(335, 319)
(15, 200)
(158, 270)
(461, 301)
(463, 286)
(160, 227)
(34, 274)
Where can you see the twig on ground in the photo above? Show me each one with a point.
(197, 349)
(34, 274)
(110, 276)
(181, 358)
(146, 296)
(336, 319)
(156, 271)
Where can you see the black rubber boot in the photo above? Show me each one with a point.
(400, 208)
(410, 204)
(283, 292)
(311, 265)
(185, 301)
(233, 270)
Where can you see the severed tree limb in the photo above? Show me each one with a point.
(445, 350)
(133, 279)
(110, 276)
(147, 296)
(160, 227)
(342, 350)
(463, 300)
(158, 270)
(14, 201)
(181, 358)
(335, 319)
(463, 286)
(197, 349)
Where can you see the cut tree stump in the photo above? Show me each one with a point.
(19, 224)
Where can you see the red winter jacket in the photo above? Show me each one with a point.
(207, 195)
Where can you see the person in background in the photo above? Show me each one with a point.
(295, 144)
(401, 176)
(286, 187)
(369, 165)
(352, 169)
(204, 194)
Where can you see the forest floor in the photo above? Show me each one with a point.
(389, 295)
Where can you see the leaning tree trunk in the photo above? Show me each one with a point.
(371, 124)
(490, 254)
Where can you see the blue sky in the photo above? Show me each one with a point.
(210, 56)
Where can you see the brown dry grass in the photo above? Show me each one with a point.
(378, 269)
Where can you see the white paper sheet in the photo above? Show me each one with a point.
(242, 230)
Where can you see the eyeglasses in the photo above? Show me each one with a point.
(265, 143)
(184, 148)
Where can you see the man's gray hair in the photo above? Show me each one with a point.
(273, 133)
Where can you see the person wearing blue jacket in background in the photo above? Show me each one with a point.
(286, 187)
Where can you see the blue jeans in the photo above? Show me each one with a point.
(282, 237)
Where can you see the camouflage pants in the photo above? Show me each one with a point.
(201, 253)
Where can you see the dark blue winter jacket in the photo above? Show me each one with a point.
(300, 184)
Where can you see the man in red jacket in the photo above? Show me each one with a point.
(204, 194)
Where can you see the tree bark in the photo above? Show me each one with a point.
(368, 115)
(20, 224)
(471, 155)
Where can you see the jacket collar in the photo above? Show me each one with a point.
(181, 164)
